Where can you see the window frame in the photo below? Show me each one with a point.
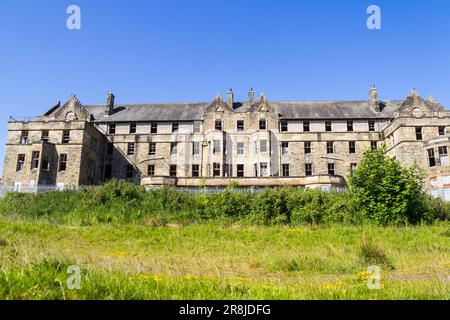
(306, 126)
(153, 127)
(218, 124)
(419, 133)
(284, 127)
(350, 126)
(131, 148)
(20, 165)
(240, 148)
(35, 159)
(352, 147)
(152, 148)
(308, 169)
(330, 147)
(331, 169)
(262, 124)
(195, 170)
(151, 170)
(132, 128)
(328, 126)
(285, 170)
(240, 170)
(62, 163)
(65, 136)
(307, 147)
(240, 126)
(112, 128)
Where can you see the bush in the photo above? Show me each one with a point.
(386, 192)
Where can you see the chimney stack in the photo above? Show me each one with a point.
(109, 109)
(374, 98)
(251, 96)
(230, 96)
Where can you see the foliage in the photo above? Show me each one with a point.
(123, 203)
(386, 192)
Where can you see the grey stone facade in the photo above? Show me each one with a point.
(254, 143)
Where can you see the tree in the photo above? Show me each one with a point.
(386, 192)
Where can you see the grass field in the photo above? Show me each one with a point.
(214, 261)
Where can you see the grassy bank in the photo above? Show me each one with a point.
(214, 261)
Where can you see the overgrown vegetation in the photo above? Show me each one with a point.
(123, 203)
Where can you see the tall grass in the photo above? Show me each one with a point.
(123, 203)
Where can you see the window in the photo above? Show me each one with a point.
(173, 170)
(44, 136)
(216, 169)
(227, 170)
(431, 158)
(262, 124)
(216, 146)
(330, 148)
(306, 126)
(419, 133)
(218, 124)
(62, 162)
(152, 148)
(308, 169)
(443, 156)
(240, 170)
(349, 125)
(328, 126)
(110, 148)
(283, 126)
(91, 170)
(197, 126)
(307, 147)
(195, 170)
(262, 146)
(373, 145)
(35, 160)
(240, 126)
(130, 171)
(20, 162)
(441, 131)
(45, 165)
(151, 170)
(331, 169)
(371, 125)
(195, 148)
(112, 128)
(240, 148)
(352, 147)
(66, 136)
(108, 172)
(153, 127)
(130, 148)
(264, 169)
(132, 128)
(284, 148)
(353, 168)
(175, 127)
(285, 170)
(24, 137)
(173, 148)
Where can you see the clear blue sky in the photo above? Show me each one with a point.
(168, 51)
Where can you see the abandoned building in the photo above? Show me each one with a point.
(252, 143)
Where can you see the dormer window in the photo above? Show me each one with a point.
(262, 124)
(218, 124)
(132, 128)
(240, 125)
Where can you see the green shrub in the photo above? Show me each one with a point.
(386, 192)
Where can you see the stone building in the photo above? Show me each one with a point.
(258, 142)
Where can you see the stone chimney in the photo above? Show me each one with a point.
(251, 96)
(109, 109)
(230, 98)
(374, 103)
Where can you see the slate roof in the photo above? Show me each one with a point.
(334, 109)
(151, 112)
(286, 110)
